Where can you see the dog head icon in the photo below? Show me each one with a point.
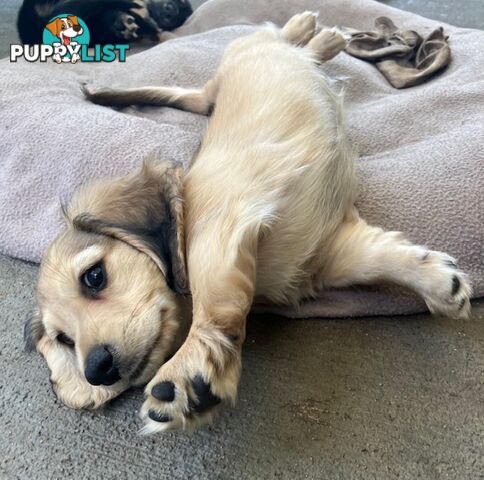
(65, 28)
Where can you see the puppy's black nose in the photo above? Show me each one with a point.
(76, 28)
(100, 368)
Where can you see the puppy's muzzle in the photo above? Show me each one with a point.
(100, 367)
(165, 12)
(169, 9)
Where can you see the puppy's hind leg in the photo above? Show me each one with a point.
(191, 100)
(327, 44)
(362, 254)
(300, 28)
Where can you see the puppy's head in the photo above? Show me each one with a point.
(108, 303)
(169, 14)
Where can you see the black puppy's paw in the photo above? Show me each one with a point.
(126, 27)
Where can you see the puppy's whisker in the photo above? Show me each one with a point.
(94, 326)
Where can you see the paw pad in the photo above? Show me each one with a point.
(164, 391)
(205, 398)
(159, 417)
(455, 284)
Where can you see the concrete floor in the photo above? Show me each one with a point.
(375, 398)
(463, 13)
(378, 398)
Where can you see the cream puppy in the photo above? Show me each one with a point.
(268, 214)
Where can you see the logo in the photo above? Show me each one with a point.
(66, 31)
(66, 40)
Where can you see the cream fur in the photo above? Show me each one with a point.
(269, 213)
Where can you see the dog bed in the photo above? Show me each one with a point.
(421, 161)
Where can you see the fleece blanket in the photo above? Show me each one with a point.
(421, 161)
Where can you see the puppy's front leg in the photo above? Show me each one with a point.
(68, 383)
(206, 369)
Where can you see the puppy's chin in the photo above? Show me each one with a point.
(69, 384)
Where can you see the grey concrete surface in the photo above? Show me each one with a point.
(462, 13)
(380, 398)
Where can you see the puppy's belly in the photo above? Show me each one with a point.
(274, 163)
(292, 251)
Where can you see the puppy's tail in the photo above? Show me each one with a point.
(35, 14)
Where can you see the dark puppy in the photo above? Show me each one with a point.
(109, 21)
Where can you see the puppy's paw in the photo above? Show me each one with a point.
(68, 383)
(186, 391)
(126, 27)
(300, 28)
(445, 289)
(88, 92)
(100, 96)
(327, 44)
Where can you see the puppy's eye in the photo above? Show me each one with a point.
(63, 338)
(95, 278)
(63, 27)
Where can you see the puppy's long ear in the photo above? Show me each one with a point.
(54, 27)
(143, 209)
(73, 19)
(33, 331)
